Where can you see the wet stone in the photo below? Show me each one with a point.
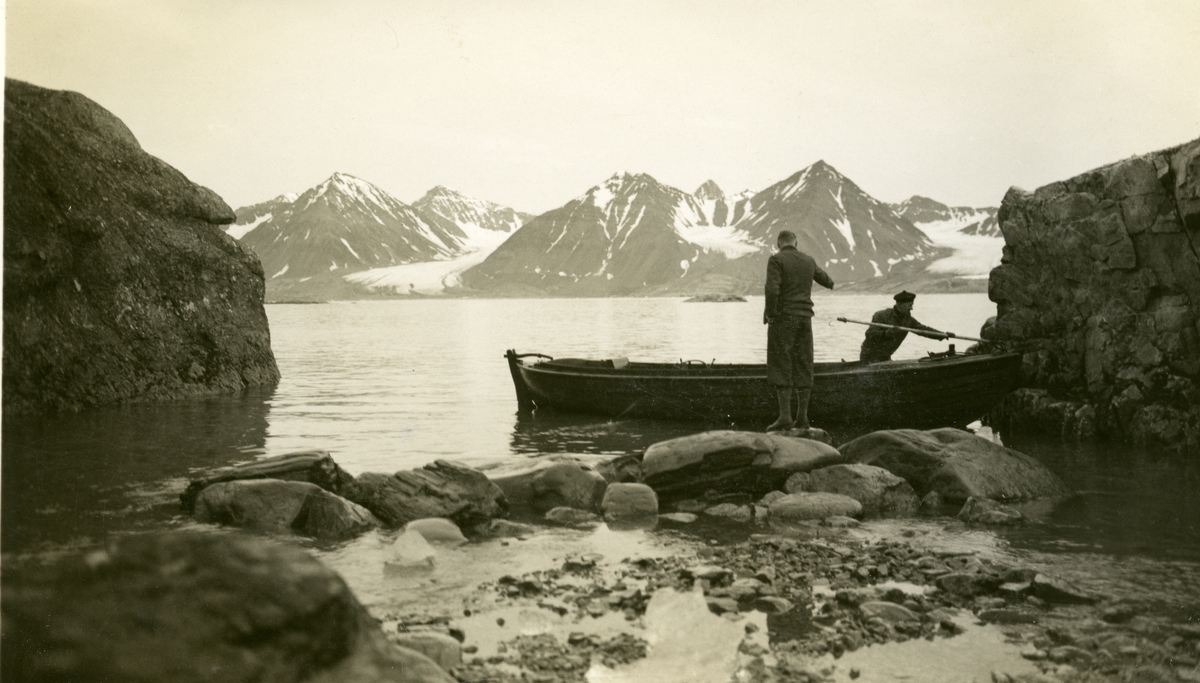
(1008, 616)
(772, 604)
(1052, 589)
(888, 611)
(722, 605)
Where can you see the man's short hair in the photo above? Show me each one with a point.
(787, 237)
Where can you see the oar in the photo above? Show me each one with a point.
(910, 329)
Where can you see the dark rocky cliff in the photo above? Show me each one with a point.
(119, 283)
(1099, 288)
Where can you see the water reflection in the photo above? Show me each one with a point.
(75, 478)
(546, 432)
(1130, 501)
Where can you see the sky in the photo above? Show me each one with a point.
(528, 103)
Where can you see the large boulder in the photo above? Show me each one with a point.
(314, 467)
(440, 489)
(805, 506)
(1099, 291)
(731, 461)
(881, 493)
(630, 505)
(190, 607)
(277, 506)
(956, 464)
(119, 282)
(549, 484)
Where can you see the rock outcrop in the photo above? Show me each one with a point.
(314, 467)
(191, 607)
(543, 486)
(630, 505)
(881, 493)
(278, 506)
(1099, 289)
(119, 283)
(730, 461)
(440, 489)
(957, 465)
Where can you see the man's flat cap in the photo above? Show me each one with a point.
(905, 297)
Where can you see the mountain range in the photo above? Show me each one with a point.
(628, 235)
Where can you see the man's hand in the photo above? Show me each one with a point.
(946, 335)
(766, 319)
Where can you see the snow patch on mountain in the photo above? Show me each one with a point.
(974, 255)
(973, 234)
(427, 278)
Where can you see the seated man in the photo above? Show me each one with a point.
(882, 342)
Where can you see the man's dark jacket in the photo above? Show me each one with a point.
(790, 274)
(881, 342)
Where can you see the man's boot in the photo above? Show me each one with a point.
(784, 396)
(802, 396)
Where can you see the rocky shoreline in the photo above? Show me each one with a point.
(736, 553)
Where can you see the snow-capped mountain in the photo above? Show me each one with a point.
(719, 209)
(923, 212)
(973, 234)
(619, 237)
(633, 234)
(345, 224)
(250, 217)
(481, 221)
(852, 235)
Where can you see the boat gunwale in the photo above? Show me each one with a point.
(696, 373)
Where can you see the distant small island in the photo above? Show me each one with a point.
(715, 298)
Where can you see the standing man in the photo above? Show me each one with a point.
(882, 342)
(788, 315)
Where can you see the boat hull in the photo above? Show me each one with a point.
(922, 394)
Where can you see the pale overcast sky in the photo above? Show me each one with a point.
(530, 102)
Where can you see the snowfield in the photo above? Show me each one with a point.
(974, 255)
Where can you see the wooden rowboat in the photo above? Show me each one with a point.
(943, 390)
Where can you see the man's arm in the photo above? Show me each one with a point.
(822, 278)
(930, 332)
(774, 278)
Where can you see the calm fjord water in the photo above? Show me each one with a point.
(388, 385)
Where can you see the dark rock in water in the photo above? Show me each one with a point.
(881, 493)
(1099, 290)
(572, 517)
(440, 489)
(956, 464)
(630, 505)
(931, 503)
(888, 611)
(738, 513)
(503, 528)
(119, 283)
(314, 467)
(625, 469)
(729, 461)
(552, 483)
(442, 648)
(984, 511)
(805, 506)
(715, 298)
(276, 506)
(1008, 616)
(183, 606)
(1053, 589)
(967, 584)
